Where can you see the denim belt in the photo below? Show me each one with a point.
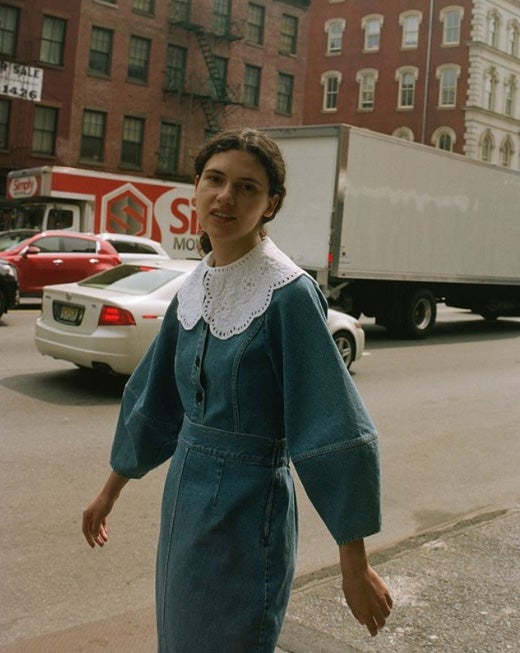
(246, 447)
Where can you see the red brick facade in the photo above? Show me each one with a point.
(427, 57)
(71, 88)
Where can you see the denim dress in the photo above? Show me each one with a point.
(230, 400)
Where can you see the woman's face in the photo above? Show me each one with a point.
(232, 200)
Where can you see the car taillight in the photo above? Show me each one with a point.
(113, 316)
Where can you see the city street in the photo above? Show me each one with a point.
(446, 409)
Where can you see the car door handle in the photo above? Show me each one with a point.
(57, 261)
(93, 260)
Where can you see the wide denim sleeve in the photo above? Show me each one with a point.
(151, 412)
(332, 440)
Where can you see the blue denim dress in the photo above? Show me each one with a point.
(230, 414)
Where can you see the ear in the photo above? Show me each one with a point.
(271, 206)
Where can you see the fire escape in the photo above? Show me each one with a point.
(213, 94)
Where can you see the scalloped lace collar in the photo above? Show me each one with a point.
(230, 297)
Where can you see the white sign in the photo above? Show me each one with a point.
(20, 81)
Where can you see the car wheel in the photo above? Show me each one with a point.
(346, 346)
(3, 303)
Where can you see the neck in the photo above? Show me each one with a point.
(225, 255)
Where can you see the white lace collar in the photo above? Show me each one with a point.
(230, 297)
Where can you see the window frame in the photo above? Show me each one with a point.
(5, 123)
(255, 29)
(507, 151)
(254, 88)
(366, 23)
(99, 139)
(490, 89)
(284, 96)
(404, 19)
(334, 28)
(493, 25)
(107, 68)
(166, 151)
(364, 78)
(451, 32)
(221, 17)
(127, 144)
(176, 66)
(448, 91)
(403, 73)
(331, 82)
(147, 11)
(289, 36)
(55, 46)
(139, 55)
(44, 133)
(10, 35)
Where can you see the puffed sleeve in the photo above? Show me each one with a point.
(151, 412)
(331, 438)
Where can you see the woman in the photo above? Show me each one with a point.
(243, 376)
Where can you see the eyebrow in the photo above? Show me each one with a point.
(219, 172)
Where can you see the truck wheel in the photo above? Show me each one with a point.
(490, 315)
(346, 346)
(419, 313)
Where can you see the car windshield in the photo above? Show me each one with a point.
(132, 279)
(4, 247)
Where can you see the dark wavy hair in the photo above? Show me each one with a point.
(262, 147)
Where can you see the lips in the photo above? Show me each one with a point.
(218, 216)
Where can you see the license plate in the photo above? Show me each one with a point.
(67, 313)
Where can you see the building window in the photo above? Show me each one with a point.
(486, 147)
(406, 78)
(510, 97)
(169, 143)
(451, 19)
(219, 78)
(448, 76)
(410, 23)
(255, 24)
(330, 81)
(372, 27)
(506, 152)
(252, 78)
(100, 56)
(284, 95)
(180, 10)
(222, 17)
(493, 29)
(132, 145)
(367, 88)
(144, 6)
(444, 139)
(175, 68)
(334, 29)
(5, 112)
(9, 17)
(514, 39)
(44, 130)
(138, 59)
(53, 40)
(93, 136)
(289, 34)
(490, 89)
(404, 133)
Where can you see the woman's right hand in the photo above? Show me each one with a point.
(95, 514)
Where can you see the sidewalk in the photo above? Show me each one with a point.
(455, 590)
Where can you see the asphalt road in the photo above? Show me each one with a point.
(446, 408)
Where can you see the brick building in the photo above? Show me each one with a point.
(136, 85)
(441, 72)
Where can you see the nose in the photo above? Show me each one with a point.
(225, 194)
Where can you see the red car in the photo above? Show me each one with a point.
(57, 257)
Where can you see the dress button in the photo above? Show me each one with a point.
(198, 397)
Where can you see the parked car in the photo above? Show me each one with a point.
(9, 295)
(57, 257)
(106, 322)
(14, 236)
(135, 248)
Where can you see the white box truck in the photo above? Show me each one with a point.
(390, 228)
(56, 197)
